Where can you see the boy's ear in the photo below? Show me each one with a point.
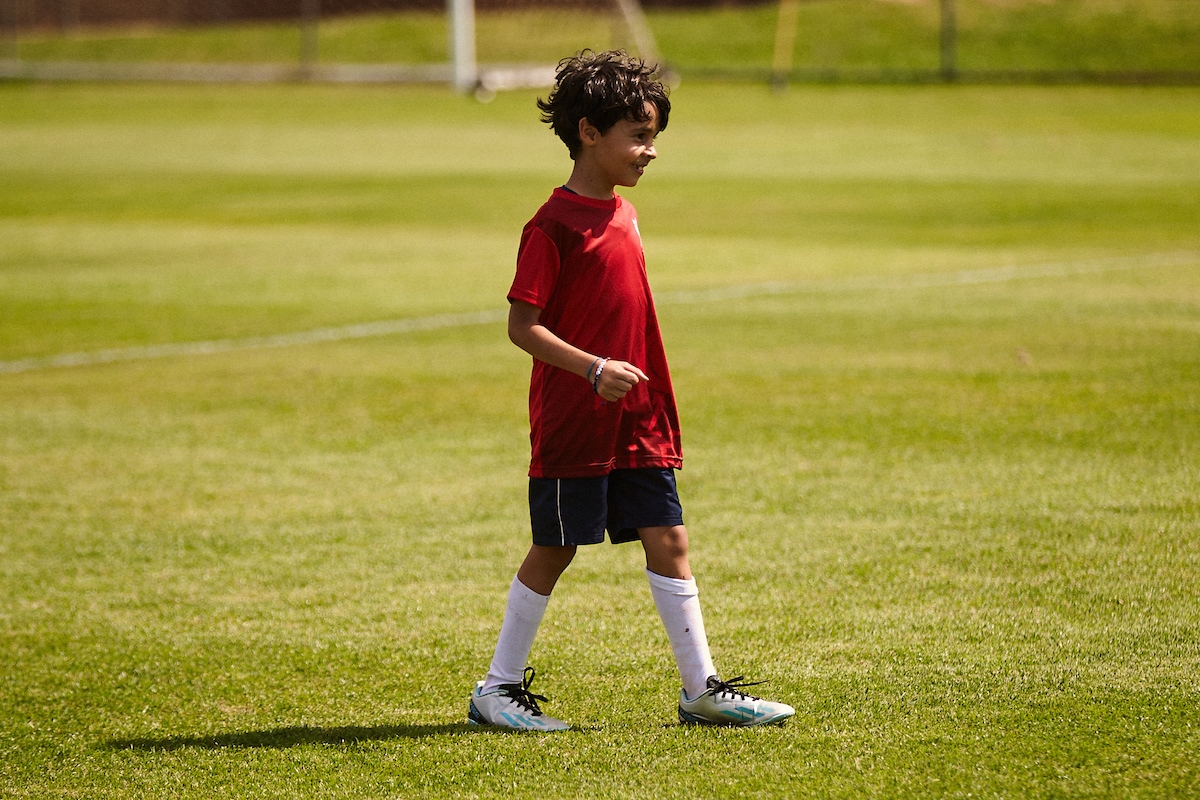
(589, 134)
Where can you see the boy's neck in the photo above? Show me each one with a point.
(585, 183)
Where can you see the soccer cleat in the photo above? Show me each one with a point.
(723, 703)
(512, 705)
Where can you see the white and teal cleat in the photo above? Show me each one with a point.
(723, 703)
(512, 706)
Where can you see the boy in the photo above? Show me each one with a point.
(604, 429)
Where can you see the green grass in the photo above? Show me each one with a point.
(853, 35)
(953, 523)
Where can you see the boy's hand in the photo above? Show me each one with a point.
(617, 379)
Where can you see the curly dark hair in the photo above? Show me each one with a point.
(604, 88)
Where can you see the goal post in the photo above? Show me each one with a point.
(787, 26)
(463, 64)
(785, 43)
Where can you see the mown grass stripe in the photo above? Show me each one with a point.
(928, 280)
(441, 321)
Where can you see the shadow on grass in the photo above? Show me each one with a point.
(295, 737)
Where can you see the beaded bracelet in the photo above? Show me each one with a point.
(599, 372)
(588, 375)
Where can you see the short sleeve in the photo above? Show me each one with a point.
(537, 268)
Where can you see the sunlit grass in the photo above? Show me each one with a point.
(952, 521)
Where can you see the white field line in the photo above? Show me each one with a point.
(936, 279)
(362, 331)
(441, 321)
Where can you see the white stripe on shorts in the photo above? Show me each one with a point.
(558, 507)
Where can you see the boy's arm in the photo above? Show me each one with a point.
(529, 334)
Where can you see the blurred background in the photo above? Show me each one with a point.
(506, 43)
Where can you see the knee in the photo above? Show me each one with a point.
(675, 541)
(560, 557)
(669, 542)
(550, 560)
(543, 566)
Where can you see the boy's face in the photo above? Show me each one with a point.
(622, 152)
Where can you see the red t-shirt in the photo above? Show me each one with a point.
(581, 262)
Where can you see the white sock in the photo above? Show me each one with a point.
(522, 616)
(678, 605)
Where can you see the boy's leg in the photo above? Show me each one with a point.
(528, 597)
(503, 697)
(666, 551)
(563, 513)
(678, 603)
(706, 699)
(543, 565)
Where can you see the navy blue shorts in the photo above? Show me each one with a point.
(575, 511)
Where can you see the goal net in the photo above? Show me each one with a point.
(495, 44)
(477, 45)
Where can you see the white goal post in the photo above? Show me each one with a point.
(464, 67)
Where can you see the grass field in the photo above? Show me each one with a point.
(938, 357)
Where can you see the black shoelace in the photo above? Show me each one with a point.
(519, 693)
(733, 687)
